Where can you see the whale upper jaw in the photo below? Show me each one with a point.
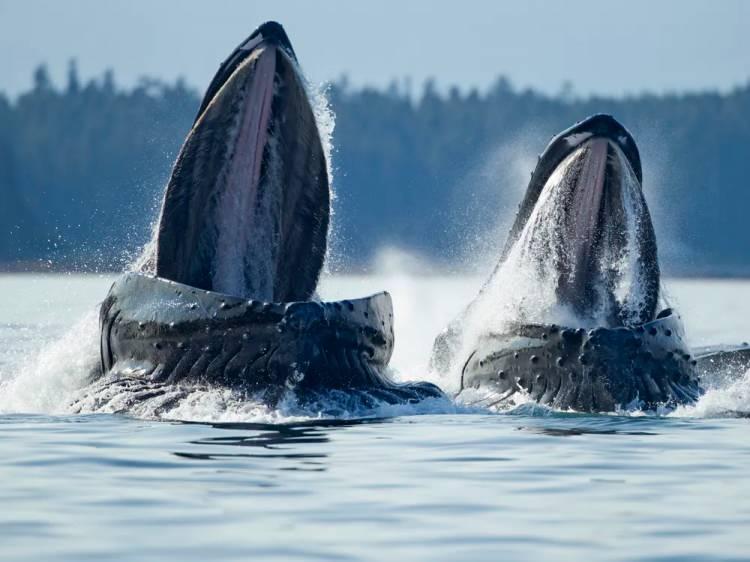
(247, 207)
(585, 221)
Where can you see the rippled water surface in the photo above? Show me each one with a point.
(437, 482)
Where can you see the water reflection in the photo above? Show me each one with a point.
(304, 443)
(576, 431)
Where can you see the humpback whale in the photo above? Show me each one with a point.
(573, 316)
(225, 294)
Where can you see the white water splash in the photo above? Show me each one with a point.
(47, 377)
(325, 119)
(223, 406)
(630, 279)
(725, 396)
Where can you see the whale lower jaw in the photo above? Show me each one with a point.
(157, 334)
(600, 370)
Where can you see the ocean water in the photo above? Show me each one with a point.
(222, 480)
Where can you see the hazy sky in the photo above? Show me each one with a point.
(607, 47)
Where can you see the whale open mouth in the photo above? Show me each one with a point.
(585, 224)
(247, 207)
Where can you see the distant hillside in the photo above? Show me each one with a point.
(82, 168)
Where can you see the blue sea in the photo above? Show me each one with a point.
(217, 479)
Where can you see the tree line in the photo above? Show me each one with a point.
(82, 168)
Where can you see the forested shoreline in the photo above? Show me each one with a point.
(82, 168)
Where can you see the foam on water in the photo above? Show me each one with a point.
(726, 396)
(725, 399)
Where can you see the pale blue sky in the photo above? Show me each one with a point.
(601, 46)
